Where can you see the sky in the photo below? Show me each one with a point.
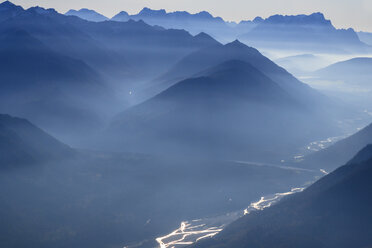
(343, 13)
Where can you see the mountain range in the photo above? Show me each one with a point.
(333, 212)
(304, 33)
(212, 55)
(166, 124)
(227, 110)
(194, 23)
(80, 71)
(86, 72)
(300, 32)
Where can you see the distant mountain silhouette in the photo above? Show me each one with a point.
(303, 32)
(333, 212)
(122, 16)
(356, 71)
(230, 110)
(23, 144)
(87, 14)
(194, 23)
(340, 152)
(365, 37)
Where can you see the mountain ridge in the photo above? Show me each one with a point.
(24, 145)
(87, 14)
(192, 116)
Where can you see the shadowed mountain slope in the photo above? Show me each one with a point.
(340, 152)
(333, 212)
(22, 143)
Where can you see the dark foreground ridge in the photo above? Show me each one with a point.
(333, 212)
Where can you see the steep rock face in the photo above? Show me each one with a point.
(333, 212)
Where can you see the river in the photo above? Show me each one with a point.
(190, 232)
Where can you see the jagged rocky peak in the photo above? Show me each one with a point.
(148, 11)
(313, 19)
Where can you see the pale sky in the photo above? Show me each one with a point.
(343, 13)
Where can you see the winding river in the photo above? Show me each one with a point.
(190, 232)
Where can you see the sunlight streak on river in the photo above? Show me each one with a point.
(190, 232)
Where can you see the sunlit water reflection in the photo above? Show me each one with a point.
(190, 232)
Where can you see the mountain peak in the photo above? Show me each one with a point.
(87, 14)
(42, 11)
(122, 16)
(318, 15)
(312, 19)
(87, 10)
(124, 13)
(148, 11)
(205, 14)
(258, 19)
(71, 12)
(7, 5)
(205, 37)
(236, 43)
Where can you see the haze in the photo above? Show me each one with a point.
(159, 129)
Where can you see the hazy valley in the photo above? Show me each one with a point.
(174, 129)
